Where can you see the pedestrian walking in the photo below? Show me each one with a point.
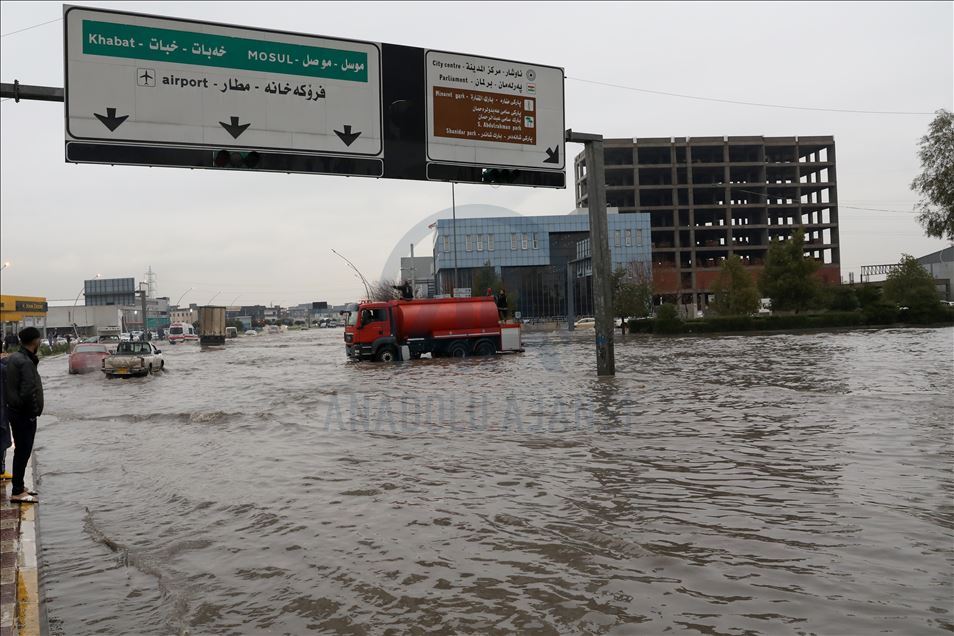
(24, 397)
(6, 440)
(10, 342)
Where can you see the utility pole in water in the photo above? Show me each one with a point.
(599, 250)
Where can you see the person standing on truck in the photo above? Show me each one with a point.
(502, 304)
(24, 395)
(406, 292)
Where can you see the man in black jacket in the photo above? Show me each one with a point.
(24, 395)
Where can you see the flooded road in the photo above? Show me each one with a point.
(725, 485)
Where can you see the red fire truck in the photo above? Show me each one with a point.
(406, 329)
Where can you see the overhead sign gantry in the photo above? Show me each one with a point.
(151, 90)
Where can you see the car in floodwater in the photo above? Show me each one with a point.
(133, 359)
(585, 323)
(87, 357)
(251, 332)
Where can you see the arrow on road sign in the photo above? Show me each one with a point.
(553, 155)
(110, 120)
(234, 128)
(347, 136)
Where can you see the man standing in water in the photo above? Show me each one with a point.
(24, 396)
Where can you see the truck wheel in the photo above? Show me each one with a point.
(485, 348)
(386, 354)
(458, 349)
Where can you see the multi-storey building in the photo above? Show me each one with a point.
(710, 197)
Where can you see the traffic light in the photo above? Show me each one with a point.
(234, 159)
(499, 175)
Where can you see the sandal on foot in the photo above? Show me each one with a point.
(24, 497)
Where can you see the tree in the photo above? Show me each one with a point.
(910, 285)
(735, 291)
(935, 184)
(485, 278)
(383, 290)
(632, 293)
(788, 278)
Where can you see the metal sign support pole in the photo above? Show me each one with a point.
(454, 221)
(599, 248)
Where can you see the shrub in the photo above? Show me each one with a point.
(842, 298)
(880, 313)
(667, 319)
(641, 326)
(867, 295)
(45, 350)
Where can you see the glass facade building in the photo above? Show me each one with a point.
(532, 256)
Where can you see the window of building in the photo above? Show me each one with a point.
(469, 243)
(480, 242)
(639, 237)
(629, 238)
(617, 241)
(490, 242)
(524, 242)
(446, 243)
(536, 244)
(513, 241)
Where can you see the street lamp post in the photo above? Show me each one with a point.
(183, 296)
(73, 313)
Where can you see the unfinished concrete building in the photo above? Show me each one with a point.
(709, 197)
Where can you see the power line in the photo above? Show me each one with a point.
(849, 207)
(651, 91)
(30, 27)
(744, 103)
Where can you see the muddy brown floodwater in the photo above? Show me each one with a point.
(770, 484)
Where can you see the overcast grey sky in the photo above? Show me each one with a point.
(268, 237)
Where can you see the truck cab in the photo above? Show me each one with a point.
(369, 334)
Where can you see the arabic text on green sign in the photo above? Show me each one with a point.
(205, 49)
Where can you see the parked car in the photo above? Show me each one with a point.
(251, 332)
(87, 357)
(132, 359)
(585, 323)
(125, 337)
